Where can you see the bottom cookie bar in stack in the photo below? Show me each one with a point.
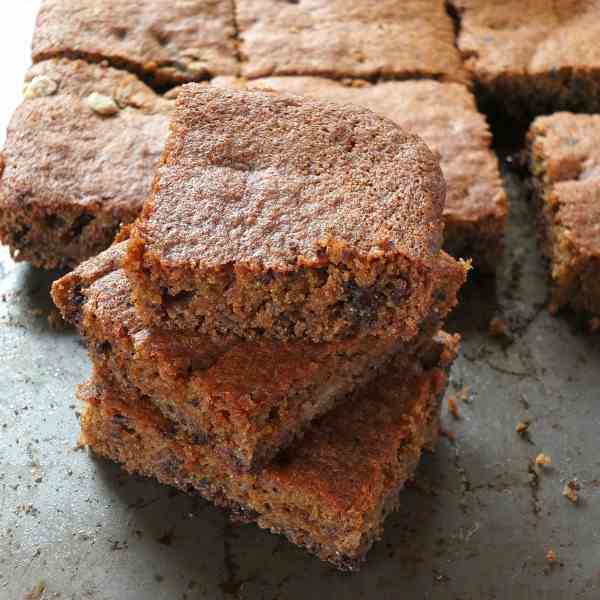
(330, 492)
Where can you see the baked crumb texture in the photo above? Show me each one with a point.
(78, 161)
(530, 58)
(232, 240)
(245, 409)
(565, 164)
(329, 493)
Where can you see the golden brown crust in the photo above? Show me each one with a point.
(79, 158)
(446, 117)
(333, 38)
(246, 410)
(307, 494)
(565, 163)
(165, 41)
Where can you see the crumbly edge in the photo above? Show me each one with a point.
(159, 454)
(332, 300)
(571, 275)
(57, 237)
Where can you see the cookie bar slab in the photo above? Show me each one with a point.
(246, 399)
(167, 42)
(78, 160)
(446, 117)
(330, 493)
(333, 38)
(279, 215)
(528, 58)
(565, 163)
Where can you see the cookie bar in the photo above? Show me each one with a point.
(245, 410)
(330, 493)
(279, 215)
(333, 38)
(446, 117)
(78, 160)
(164, 41)
(528, 58)
(565, 163)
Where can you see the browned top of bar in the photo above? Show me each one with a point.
(84, 135)
(272, 180)
(335, 38)
(443, 114)
(566, 157)
(513, 37)
(170, 41)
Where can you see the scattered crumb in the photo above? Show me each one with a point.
(522, 427)
(453, 407)
(594, 325)
(447, 434)
(37, 592)
(570, 491)
(551, 556)
(543, 460)
(499, 328)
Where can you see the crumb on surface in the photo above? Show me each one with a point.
(570, 491)
(551, 556)
(594, 325)
(453, 407)
(522, 427)
(543, 460)
(499, 327)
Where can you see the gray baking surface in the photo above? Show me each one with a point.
(477, 524)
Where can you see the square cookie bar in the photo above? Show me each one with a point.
(565, 163)
(446, 117)
(78, 161)
(330, 493)
(277, 215)
(333, 38)
(531, 57)
(165, 41)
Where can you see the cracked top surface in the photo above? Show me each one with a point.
(335, 38)
(443, 114)
(262, 178)
(536, 36)
(173, 41)
(60, 151)
(565, 155)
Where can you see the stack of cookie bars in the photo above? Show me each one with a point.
(269, 333)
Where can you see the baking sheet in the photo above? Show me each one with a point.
(477, 524)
